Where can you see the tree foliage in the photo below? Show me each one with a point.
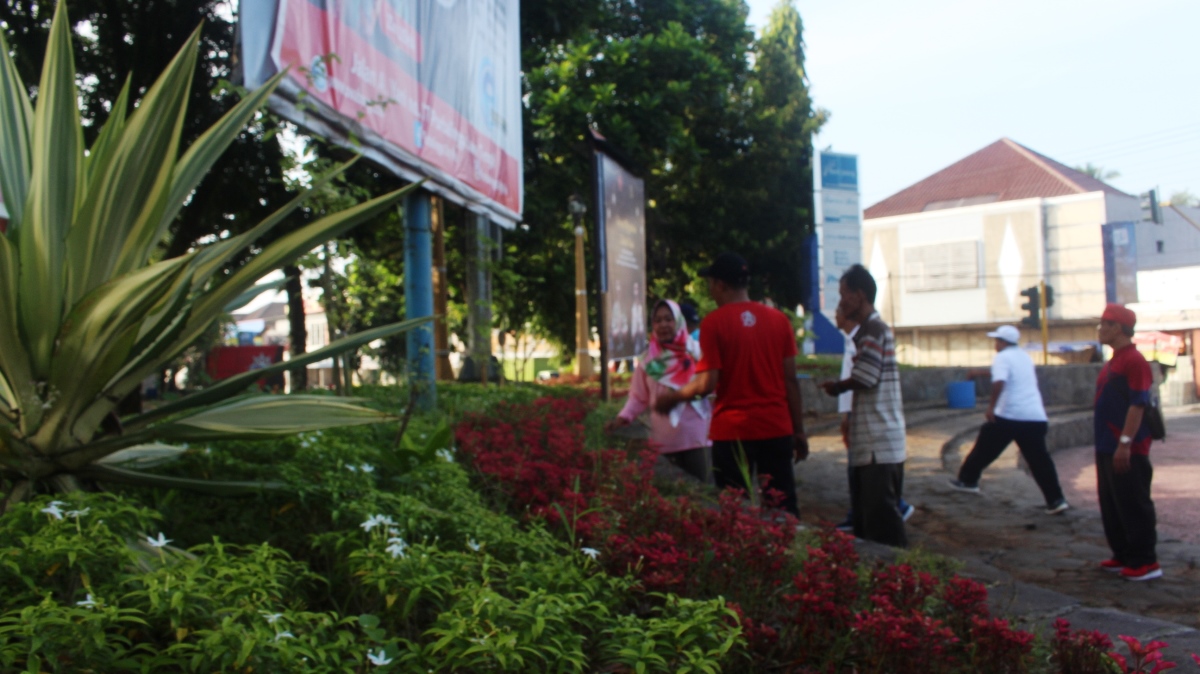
(716, 122)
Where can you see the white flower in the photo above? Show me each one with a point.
(472, 544)
(58, 504)
(366, 468)
(87, 603)
(160, 542)
(54, 511)
(352, 469)
(396, 547)
(590, 552)
(378, 659)
(284, 635)
(445, 455)
(78, 513)
(272, 617)
(376, 521)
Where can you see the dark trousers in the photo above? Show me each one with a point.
(693, 461)
(1127, 510)
(1030, 436)
(874, 501)
(771, 457)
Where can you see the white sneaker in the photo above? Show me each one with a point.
(1059, 507)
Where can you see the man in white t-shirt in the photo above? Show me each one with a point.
(848, 329)
(1015, 413)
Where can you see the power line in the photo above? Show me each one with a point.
(1183, 139)
(1134, 139)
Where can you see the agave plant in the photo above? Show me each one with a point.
(88, 307)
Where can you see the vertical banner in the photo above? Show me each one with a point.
(430, 88)
(621, 224)
(841, 225)
(1120, 262)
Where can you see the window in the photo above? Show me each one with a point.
(944, 266)
(1159, 246)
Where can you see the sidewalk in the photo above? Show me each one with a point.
(1040, 567)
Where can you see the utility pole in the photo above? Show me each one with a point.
(1045, 324)
(583, 358)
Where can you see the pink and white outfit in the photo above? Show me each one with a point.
(670, 367)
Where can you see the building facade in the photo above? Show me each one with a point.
(952, 253)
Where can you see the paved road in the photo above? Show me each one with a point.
(1006, 528)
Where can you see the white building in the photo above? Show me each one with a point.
(952, 253)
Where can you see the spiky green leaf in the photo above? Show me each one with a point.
(265, 416)
(208, 148)
(115, 229)
(54, 189)
(238, 383)
(16, 126)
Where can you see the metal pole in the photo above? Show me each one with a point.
(1045, 323)
(583, 357)
(479, 292)
(418, 295)
(441, 333)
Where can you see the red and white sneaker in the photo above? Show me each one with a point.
(1112, 565)
(1147, 572)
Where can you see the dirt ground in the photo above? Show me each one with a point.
(1005, 525)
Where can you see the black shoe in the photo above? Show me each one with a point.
(963, 486)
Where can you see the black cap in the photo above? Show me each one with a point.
(689, 312)
(728, 267)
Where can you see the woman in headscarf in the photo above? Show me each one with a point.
(670, 363)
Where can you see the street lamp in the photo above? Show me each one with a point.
(583, 359)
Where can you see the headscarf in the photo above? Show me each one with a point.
(673, 364)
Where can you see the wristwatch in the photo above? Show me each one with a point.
(1125, 440)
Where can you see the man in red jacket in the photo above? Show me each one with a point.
(749, 360)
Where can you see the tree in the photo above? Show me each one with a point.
(1098, 172)
(1185, 198)
(717, 124)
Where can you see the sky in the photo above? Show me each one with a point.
(914, 86)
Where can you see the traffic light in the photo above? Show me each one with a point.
(1155, 210)
(1033, 306)
(1049, 296)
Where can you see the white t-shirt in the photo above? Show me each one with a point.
(1020, 400)
(846, 400)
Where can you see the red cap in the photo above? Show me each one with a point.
(1117, 313)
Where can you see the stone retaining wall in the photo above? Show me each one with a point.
(926, 386)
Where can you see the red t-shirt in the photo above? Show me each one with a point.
(748, 342)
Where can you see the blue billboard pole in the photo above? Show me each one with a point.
(418, 295)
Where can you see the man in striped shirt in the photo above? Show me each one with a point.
(876, 439)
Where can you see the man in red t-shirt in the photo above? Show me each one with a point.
(748, 356)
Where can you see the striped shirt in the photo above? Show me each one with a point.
(877, 417)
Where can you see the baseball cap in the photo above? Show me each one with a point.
(689, 312)
(728, 267)
(1008, 333)
(1117, 313)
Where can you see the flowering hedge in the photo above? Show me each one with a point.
(809, 608)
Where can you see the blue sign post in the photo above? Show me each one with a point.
(418, 295)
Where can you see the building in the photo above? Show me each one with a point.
(952, 253)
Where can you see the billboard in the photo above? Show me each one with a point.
(1120, 262)
(428, 88)
(621, 225)
(841, 224)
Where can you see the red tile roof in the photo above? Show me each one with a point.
(1002, 171)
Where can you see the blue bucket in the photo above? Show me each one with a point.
(960, 395)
